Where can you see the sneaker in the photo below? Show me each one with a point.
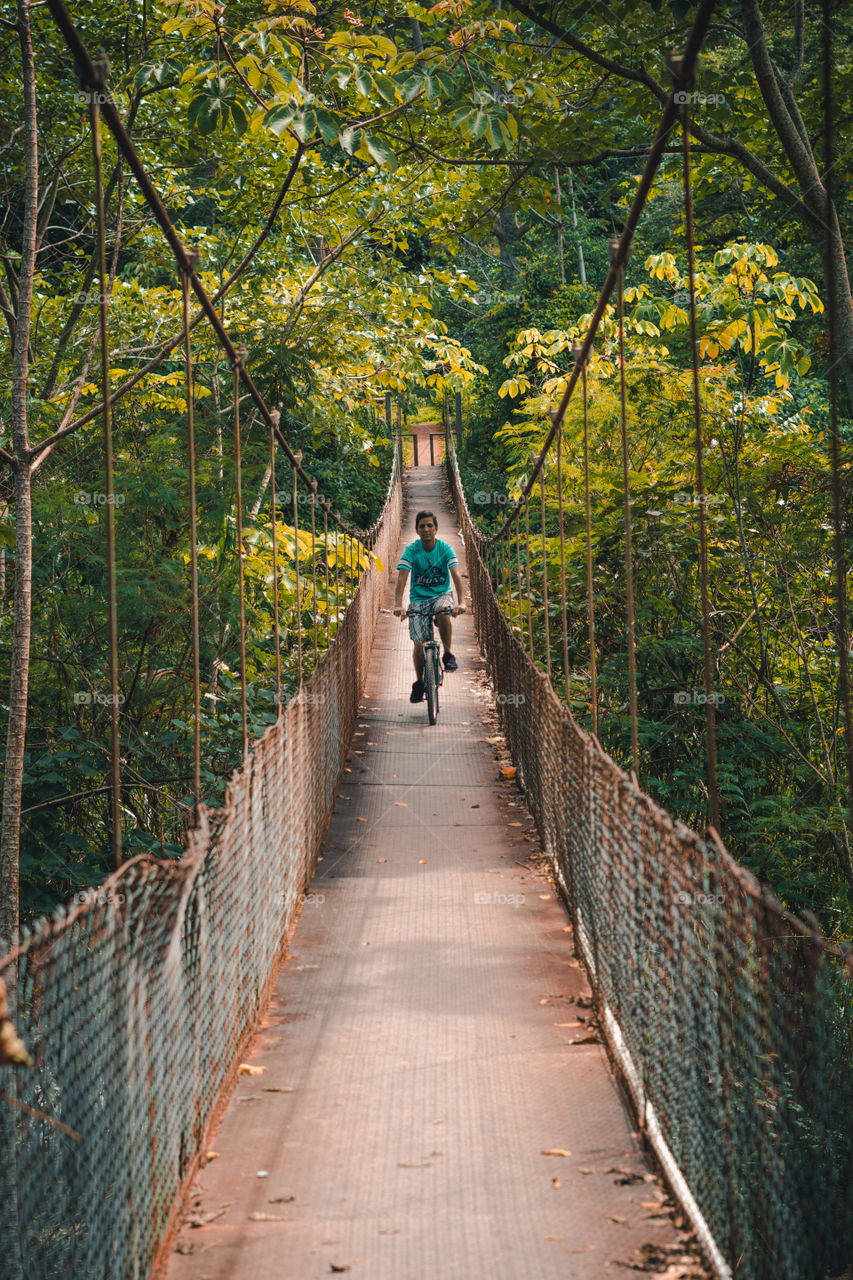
(417, 694)
(450, 663)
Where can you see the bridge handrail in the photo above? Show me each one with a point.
(136, 1001)
(729, 1019)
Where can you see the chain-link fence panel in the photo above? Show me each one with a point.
(730, 1020)
(136, 1003)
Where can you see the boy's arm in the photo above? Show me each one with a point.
(457, 582)
(402, 579)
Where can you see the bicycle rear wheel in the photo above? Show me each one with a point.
(431, 685)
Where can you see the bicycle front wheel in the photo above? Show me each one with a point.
(431, 685)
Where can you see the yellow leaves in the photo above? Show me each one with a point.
(514, 387)
(661, 266)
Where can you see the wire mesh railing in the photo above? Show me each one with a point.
(135, 1003)
(730, 1020)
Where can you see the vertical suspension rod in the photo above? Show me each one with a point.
(629, 564)
(112, 593)
(194, 606)
(707, 667)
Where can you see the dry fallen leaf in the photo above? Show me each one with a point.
(556, 1151)
(247, 1070)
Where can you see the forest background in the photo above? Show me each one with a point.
(420, 200)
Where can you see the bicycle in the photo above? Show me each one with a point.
(433, 673)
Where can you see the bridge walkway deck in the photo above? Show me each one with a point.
(425, 1042)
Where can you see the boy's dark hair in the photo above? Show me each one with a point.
(419, 517)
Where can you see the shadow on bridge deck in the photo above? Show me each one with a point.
(417, 1055)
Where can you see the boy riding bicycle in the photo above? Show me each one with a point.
(432, 563)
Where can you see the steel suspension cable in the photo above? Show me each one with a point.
(629, 566)
(545, 575)
(241, 590)
(707, 666)
(337, 575)
(526, 501)
(564, 620)
(590, 589)
(517, 527)
(92, 79)
(313, 503)
(669, 117)
(326, 571)
(112, 589)
(274, 528)
(194, 603)
(296, 570)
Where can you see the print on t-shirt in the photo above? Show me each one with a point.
(430, 570)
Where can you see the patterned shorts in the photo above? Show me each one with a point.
(419, 612)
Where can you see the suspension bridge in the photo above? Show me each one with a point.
(357, 1027)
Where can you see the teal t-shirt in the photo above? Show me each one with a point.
(430, 570)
